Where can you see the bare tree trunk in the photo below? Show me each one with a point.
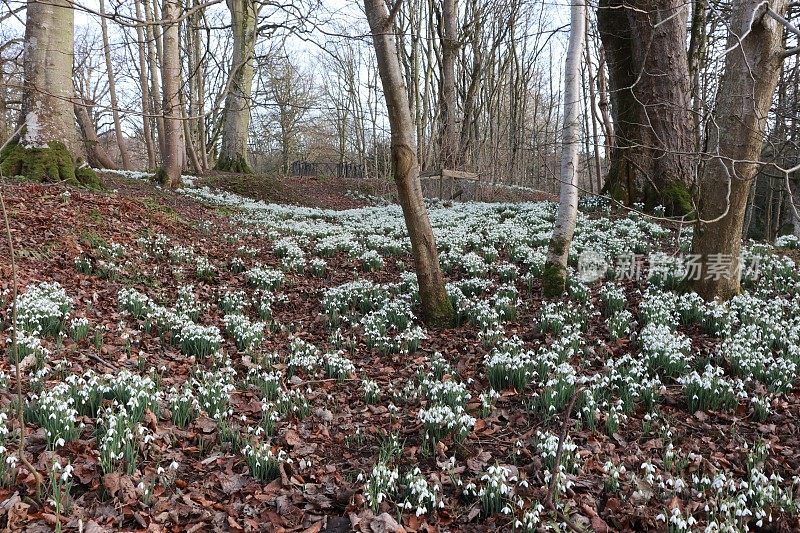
(587, 149)
(602, 88)
(189, 148)
(147, 109)
(776, 225)
(752, 69)
(233, 155)
(112, 92)
(96, 155)
(698, 46)
(768, 209)
(555, 270)
(451, 156)
(645, 48)
(170, 172)
(598, 185)
(436, 306)
(748, 217)
(155, 73)
(793, 206)
(49, 138)
(200, 86)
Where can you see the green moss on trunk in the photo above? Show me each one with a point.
(236, 164)
(554, 280)
(439, 313)
(674, 195)
(162, 178)
(677, 199)
(47, 165)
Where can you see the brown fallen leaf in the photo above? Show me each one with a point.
(384, 523)
(598, 524)
(292, 438)
(316, 527)
(93, 527)
(120, 486)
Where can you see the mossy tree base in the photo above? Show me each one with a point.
(237, 164)
(675, 197)
(162, 178)
(554, 280)
(46, 165)
(439, 314)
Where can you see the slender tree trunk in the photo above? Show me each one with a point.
(752, 69)
(170, 172)
(189, 148)
(112, 92)
(49, 139)
(451, 155)
(645, 48)
(200, 86)
(748, 217)
(555, 269)
(473, 87)
(768, 209)
(155, 73)
(587, 149)
(793, 205)
(147, 109)
(96, 155)
(436, 306)
(233, 155)
(698, 45)
(776, 226)
(602, 89)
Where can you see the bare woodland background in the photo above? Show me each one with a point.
(316, 95)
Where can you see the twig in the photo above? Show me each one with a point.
(559, 451)
(100, 360)
(393, 14)
(14, 349)
(570, 524)
(554, 471)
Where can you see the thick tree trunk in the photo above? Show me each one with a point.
(555, 269)
(112, 92)
(49, 138)
(236, 119)
(96, 155)
(436, 307)
(736, 138)
(645, 45)
(170, 172)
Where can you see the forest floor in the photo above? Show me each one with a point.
(340, 193)
(264, 371)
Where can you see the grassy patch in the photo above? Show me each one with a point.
(256, 186)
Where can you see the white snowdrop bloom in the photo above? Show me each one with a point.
(66, 474)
